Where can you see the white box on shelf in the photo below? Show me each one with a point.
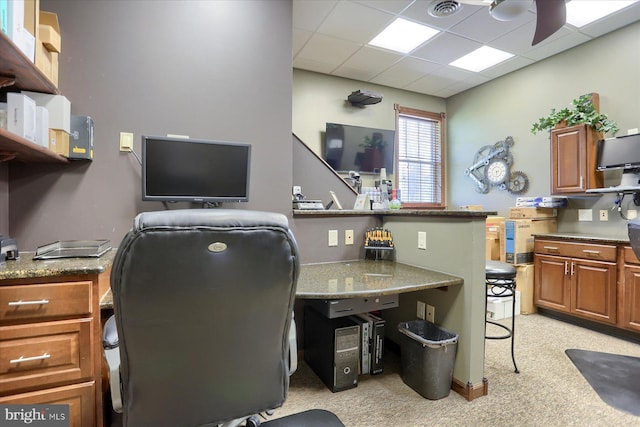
(21, 116)
(42, 126)
(59, 109)
(501, 308)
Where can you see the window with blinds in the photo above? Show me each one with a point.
(420, 164)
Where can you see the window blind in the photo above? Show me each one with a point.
(419, 160)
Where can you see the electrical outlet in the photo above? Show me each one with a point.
(333, 237)
(632, 213)
(431, 313)
(348, 237)
(422, 240)
(296, 190)
(420, 310)
(585, 215)
(604, 215)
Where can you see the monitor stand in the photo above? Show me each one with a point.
(630, 180)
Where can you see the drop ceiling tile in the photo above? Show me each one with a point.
(309, 14)
(483, 28)
(372, 60)
(355, 22)
(405, 72)
(440, 78)
(327, 50)
(299, 39)
(445, 48)
(311, 65)
(506, 67)
(392, 6)
(556, 46)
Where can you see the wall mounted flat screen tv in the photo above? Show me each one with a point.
(194, 170)
(360, 149)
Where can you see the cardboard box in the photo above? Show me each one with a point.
(49, 31)
(492, 251)
(59, 109)
(516, 238)
(532, 212)
(21, 116)
(59, 142)
(524, 283)
(81, 138)
(502, 308)
(42, 127)
(471, 208)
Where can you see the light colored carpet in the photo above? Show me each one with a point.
(548, 391)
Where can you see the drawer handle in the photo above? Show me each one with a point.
(40, 302)
(30, 359)
(591, 252)
(550, 248)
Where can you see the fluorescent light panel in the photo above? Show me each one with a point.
(403, 36)
(583, 12)
(481, 59)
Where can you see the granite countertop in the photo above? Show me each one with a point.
(26, 267)
(585, 237)
(400, 212)
(361, 278)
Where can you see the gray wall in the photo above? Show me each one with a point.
(211, 70)
(508, 106)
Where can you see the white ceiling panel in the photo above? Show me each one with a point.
(330, 37)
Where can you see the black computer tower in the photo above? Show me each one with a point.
(332, 348)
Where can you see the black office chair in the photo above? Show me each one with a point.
(203, 302)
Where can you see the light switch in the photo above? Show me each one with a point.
(126, 141)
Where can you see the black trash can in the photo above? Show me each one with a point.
(427, 354)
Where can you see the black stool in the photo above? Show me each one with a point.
(501, 283)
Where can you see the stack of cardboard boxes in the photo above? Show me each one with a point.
(511, 240)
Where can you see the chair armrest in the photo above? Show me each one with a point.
(112, 356)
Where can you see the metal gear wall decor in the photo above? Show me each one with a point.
(492, 168)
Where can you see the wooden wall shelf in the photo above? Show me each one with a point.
(15, 148)
(17, 71)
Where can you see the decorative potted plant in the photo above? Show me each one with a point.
(583, 111)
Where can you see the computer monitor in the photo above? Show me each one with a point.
(194, 170)
(621, 152)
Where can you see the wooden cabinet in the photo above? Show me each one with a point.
(50, 347)
(630, 318)
(577, 278)
(573, 160)
(18, 72)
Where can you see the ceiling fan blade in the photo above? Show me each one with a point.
(551, 15)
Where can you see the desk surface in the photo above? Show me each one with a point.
(362, 278)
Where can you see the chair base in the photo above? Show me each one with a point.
(310, 418)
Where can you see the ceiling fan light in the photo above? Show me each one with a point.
(507, 10)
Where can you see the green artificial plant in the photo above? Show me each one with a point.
(583, 111)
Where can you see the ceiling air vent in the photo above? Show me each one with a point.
(444, 8)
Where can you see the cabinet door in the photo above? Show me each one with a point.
(573, 154)
(552, 286)
(631, 305)
(593, 290)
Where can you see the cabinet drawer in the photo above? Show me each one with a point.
(45, 353)
(630, 256)
(43, 301)
(576, 250)
(79, 397)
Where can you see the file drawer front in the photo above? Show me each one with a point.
(44, 353)
(44, 301)
(576, 250)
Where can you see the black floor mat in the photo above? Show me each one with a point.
(616, 378)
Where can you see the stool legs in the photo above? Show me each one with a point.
(510, 331)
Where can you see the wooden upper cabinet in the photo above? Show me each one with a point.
(573, 160)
